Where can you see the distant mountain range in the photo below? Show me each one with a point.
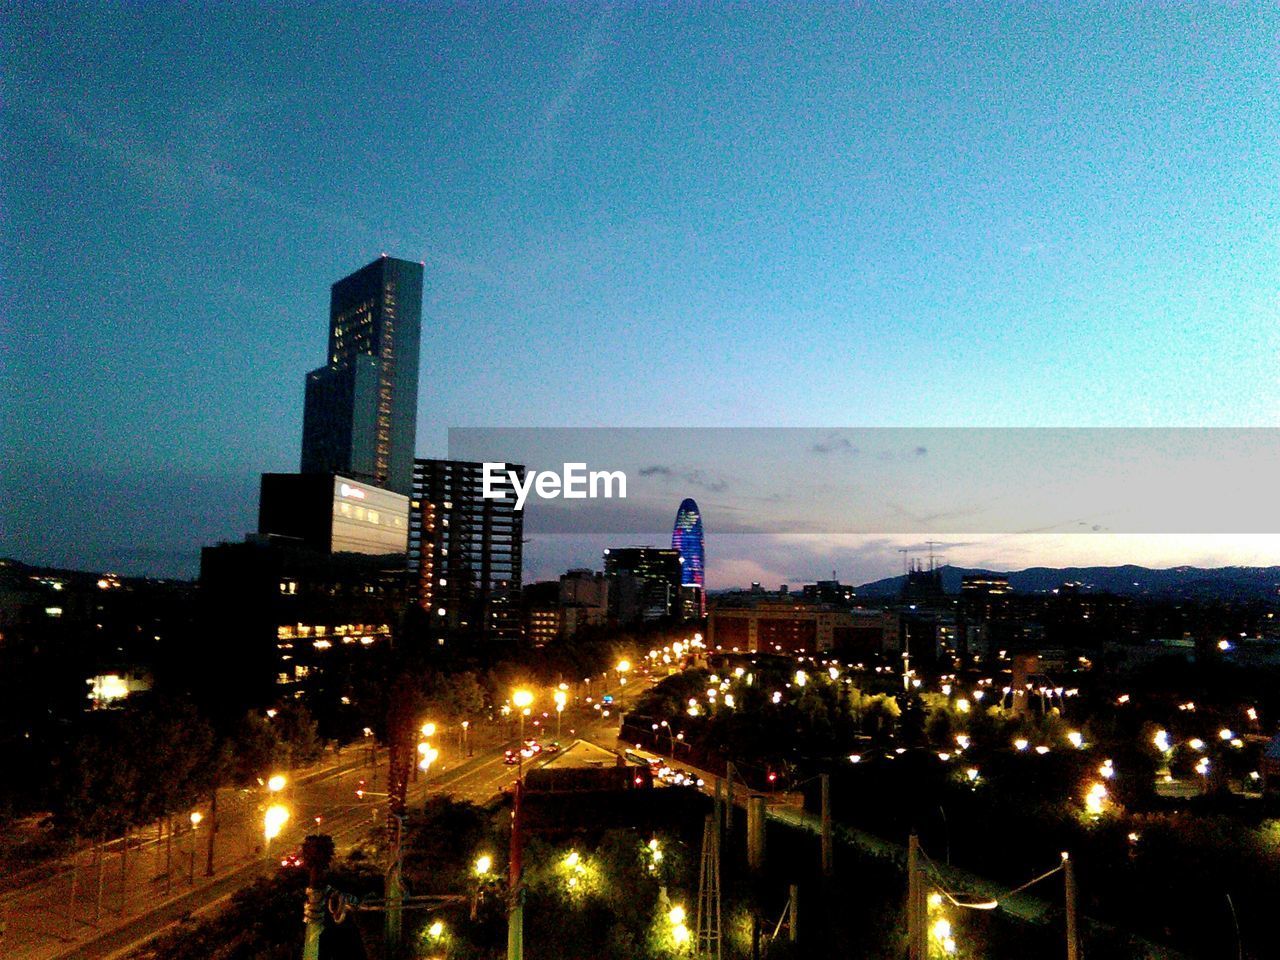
(1218, 583)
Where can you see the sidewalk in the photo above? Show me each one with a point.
(13, 883)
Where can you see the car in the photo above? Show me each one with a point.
(510, 758)
(291, 860)
(553, 747)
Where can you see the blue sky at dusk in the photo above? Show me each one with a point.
(634, 215)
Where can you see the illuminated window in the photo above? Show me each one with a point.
(372, 516)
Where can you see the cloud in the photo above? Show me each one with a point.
(690, 478)
(589, 54)
(834, 444)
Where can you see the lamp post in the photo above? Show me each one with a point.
(523, 700)
(561, 698)
(429, 755)
(196, 817)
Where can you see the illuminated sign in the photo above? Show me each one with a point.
(354, 493)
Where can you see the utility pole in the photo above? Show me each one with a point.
(755, 833)
(828, 852)
(1073, 932)
(707, 921)
(793, 904)
(317, 852)
(515, 884)
(917, 923)
(102, 853)
(392, 890)
(728, 810)
(213, 829)
(399, 733)
(124, 872)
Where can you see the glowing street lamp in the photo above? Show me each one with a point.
(429, 756)
(484, 863)
(561, 698)
(623, 667)
(277, 783)
(523, 699)
(273, 821)
(196, 818)
(428, 730)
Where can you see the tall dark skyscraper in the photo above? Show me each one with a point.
(360, 415)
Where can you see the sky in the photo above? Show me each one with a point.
(771, 214)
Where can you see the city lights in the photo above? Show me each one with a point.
(273, 821)
(1095, 799)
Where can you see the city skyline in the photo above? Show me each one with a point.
(868, 216)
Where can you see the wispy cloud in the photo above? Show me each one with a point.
(690, 478)
(589, 54)
(834, 444)
(187, 163)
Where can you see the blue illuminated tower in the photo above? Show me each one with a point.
(686, 538)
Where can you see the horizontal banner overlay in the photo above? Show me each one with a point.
(889, 480)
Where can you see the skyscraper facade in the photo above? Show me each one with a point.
(686, 539)
(643, 584)
(465, 550)
(360, 413)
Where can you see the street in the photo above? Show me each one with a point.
(61, 915)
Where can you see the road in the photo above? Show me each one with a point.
(148, 885)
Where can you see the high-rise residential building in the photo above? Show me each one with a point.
(644, 583)
(360, 411)
(686, 539)
(465, 549)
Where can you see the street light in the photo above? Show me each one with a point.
(523, 699)
(483, 864)
(428, 730)
(276, 783)
(429, 756)
(561, 698)
(273, 821)
(623, 667)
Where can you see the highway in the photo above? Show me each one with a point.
(66, 915)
